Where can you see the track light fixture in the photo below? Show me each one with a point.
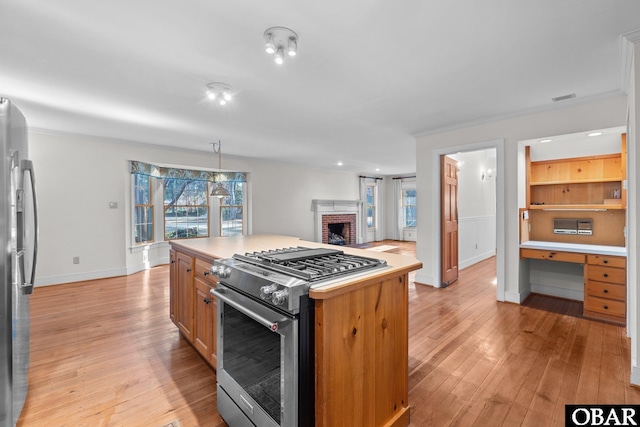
(219, 92)
(279, 40)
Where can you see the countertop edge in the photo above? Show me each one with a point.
(574, 247)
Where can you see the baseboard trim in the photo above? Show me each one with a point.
(476, 259)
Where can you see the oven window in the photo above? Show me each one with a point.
(252, 357)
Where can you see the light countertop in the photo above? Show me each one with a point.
(575, 247)
(225, 247)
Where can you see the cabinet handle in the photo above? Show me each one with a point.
(188, 270)
(606, 307)
(206, 273)
(207, 301)
(606, 275)
(173, 261)
(550, 256)
(605, 261)
(606, 291)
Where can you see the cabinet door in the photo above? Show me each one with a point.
(204, 315)
(184, 295)
(173, 283)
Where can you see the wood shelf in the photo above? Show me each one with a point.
(576, 181)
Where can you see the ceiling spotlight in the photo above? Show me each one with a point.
(279, 39)
(270, 47)
(545, 140)
(292, 49)
(220, 91)
(594, 134)
(279, 56)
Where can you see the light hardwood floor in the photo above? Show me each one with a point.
(104, 353)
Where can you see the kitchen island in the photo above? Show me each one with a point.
(360, 328)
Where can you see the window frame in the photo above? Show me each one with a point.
(224, 206)
(405, 189)
(374, 196)
(150, 205)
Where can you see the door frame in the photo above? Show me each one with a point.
(499, 146)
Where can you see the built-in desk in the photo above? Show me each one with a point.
(605, 276)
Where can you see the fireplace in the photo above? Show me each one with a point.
(338, 217)
(336, 229)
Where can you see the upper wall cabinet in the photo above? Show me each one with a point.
(579, 182)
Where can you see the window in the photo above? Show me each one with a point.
(186, 208)
(371, 205)
(143, 209)
(409, 218)
(231, 211)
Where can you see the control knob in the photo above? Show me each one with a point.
(279, 297)
(221, 271)
(267, 290)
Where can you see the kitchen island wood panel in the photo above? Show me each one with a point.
(361, 356)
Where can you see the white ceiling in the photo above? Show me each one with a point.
(369, 74)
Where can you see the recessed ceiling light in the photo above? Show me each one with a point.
(377, 169)
(594, 134)
(339, 163)
(545, 140)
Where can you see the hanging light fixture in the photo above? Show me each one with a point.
(278, 40)
(219, 191)
(219, 92)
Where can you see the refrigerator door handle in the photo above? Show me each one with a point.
(27, 166)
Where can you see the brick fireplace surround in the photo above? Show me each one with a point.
(349, 221)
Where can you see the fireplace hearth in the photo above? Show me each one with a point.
(337, 220)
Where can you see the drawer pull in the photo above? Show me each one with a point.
(188, 270)
(605, 275)
(606, 307)
(207, 301)
(606, 291)
(605, 261)
(206, 273)
(550, 256)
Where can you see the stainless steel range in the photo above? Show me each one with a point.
(265, 339)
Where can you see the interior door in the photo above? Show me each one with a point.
(449, 219)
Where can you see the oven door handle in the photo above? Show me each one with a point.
(271, 324)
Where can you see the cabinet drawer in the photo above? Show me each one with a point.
(610, 261)
(605, 306)
(552, 255)
(607, 290)
(606, 274)
(203, 270)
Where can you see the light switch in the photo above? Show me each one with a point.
(113, 205)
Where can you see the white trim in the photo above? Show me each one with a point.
(425, 279)
(515, 297)
(336, 207)
(80, 277)
(147, 246)
(635, 375)
(476, 259)
(626, 58)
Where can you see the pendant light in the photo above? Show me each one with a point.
(219, 191)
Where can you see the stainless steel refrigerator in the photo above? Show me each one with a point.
(19, 243)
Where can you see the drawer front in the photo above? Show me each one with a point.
(203, 270)
(607, 290)
(552, 255)
(609, 261)
(606, 274)
(605, 306)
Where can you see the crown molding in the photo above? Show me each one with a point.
(627, 40)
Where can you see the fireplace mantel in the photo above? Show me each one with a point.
(337, 207)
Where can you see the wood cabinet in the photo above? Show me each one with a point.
(204, 331)
(184, 295)
(605, 292)
(191, 306)
(579, 182)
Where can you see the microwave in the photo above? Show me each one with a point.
(573, 226)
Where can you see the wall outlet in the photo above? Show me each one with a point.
(113, 205)
(76, 260)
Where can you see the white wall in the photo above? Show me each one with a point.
(600, 113)
(79, 175)
(476, 206)
(633, 215)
